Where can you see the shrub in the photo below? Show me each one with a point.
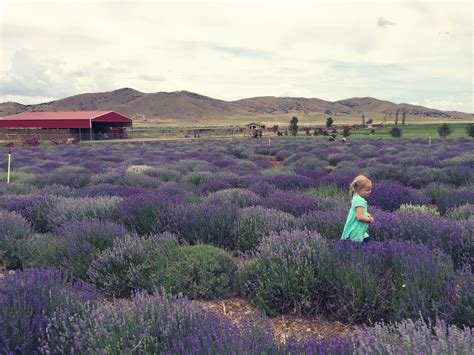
(240, 197)
(430, 230)
(290, 202)
(285, 276)
(44, 250)
(420, 208)
(77, 209)
(35, 208)
(72, 176)
(296, 272)
(29, 300)
(459, 304)
(390, 195)
(456, 175)
(164, 174)
(109, 190)
(410, 337)
(14, 229)
(290, 181)
(257, 185)
(200, 272)
(328, 223)
(83, 241)
(196, 178)
(328, 191)
(137, 180)
(209, 223)
(400, 280)
(159, 324)
(213, 185)
(461, 212)
(149, 212)
(133, 263)
(453, 199)
(256, 223)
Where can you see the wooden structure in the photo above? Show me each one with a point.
(255, 129)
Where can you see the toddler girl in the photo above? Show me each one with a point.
(358, 219)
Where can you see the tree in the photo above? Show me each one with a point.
(293, 128)
(329, 122)
(370, 121)
(396, 118)
(404, 116)
(396, 132)
(333, 133)
(444, 130)
(470, 130)
(363, 119)
(275, 128)
(346, 132)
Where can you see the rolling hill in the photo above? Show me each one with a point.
(185, 105)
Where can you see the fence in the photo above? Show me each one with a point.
(24, 137)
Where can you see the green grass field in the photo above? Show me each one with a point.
(414, 131)
(409, 131)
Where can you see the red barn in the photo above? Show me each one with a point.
(86, 124)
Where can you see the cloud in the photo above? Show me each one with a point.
(152, 78)
(381, 22)
(240, 52)
(32, 74)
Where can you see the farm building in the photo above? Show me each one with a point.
(81, 125)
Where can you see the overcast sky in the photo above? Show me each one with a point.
(418, 52)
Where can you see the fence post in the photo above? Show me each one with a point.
(8, 171)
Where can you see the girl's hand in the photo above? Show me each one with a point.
(371, 219)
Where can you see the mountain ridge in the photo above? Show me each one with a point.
(182, 105)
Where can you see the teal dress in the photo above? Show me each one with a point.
(354, 229)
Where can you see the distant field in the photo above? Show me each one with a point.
(280, 120)
(416, 131)
(410, 131)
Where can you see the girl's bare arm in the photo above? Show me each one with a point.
(360, 215)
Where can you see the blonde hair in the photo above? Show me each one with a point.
(358, 183)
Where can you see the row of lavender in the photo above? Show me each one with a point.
(92, 219)
(64, 317)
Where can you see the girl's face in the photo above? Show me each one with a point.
(365, 190)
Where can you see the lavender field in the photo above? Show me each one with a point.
(112, 243)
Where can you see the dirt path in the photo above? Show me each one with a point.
(284, 325)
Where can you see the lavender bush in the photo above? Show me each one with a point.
(77, 209)
(390, 195)
(436, 232)
(164, 325)
(328, 223)
(286, 274)
(290, 202)
(14, 229)
(149, 213)
(400, 280)
(210, 223)
(240, 197)
(297, 273)
(254, 224)
(462, 212)
(199, 272)
(133, 263)
(412, 337)
(82, 241)
(28, 302)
